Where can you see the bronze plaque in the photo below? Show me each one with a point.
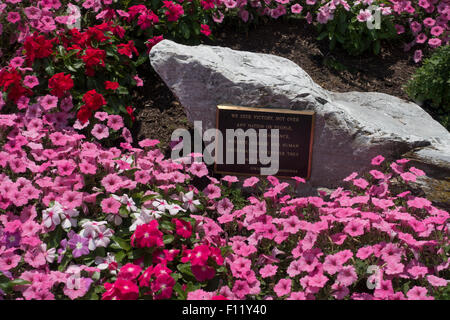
(295, 139)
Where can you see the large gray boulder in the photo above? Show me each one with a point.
(350, 129)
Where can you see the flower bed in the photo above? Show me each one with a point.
(86, 212)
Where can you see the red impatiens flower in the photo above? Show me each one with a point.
(204, 28)
(150, 43)
(121, 290)
(84, 114)
(129, 272)
(93, 100)
(147, 235)
(144, 279)
(183, 228)
(60, 83)
(98, 32)
(11, 80)
(130, 112)
(127, 49)
(174, 11)
(92, 58)
(111, 85)
(147, 19)
(200, 255)
(37, 46)
(162, 286)
(203, 273)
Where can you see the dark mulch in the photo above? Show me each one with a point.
(159, 113)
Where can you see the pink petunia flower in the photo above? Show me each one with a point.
(347, 276)
(110, 205)
(115, 122)
(283, 287)
(268, 270)
(418, 293)
(48, 102)
(100, 131)
(250, 182)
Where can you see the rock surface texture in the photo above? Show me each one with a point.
(351, 128)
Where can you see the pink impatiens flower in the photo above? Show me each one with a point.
(241, 288)
(212, 191)
(72, 199)
(9, 260)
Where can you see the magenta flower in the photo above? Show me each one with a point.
(78, 245)
(13, 17)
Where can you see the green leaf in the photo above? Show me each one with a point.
(120, 255)
(322, 35)
(167, 239)
(377, 47)
(182, 295)
(142, 58)
(50, 70)
(148, 198)
(77, 65)
(123, 211)
(122, 243)
(184, 28)
(167, 225)
(122, 90)
(185, 269)
(18, 282)
(64, 262)
(70, 68)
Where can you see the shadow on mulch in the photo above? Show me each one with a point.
(158, 112)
